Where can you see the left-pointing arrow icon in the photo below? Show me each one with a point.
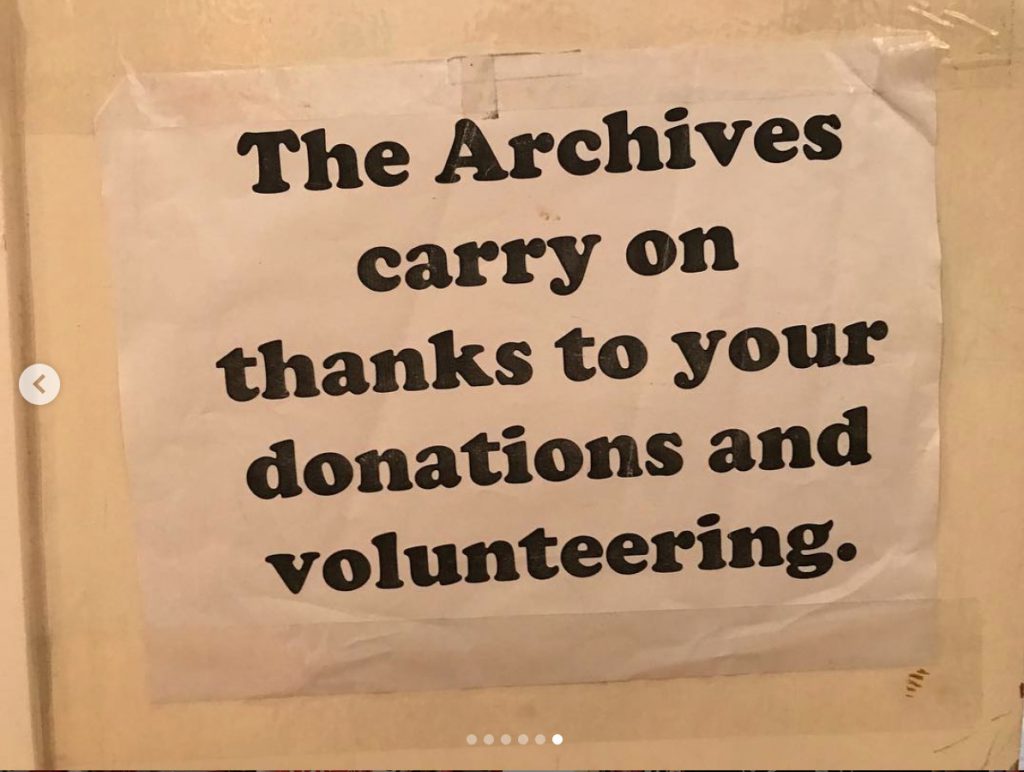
(30, 384)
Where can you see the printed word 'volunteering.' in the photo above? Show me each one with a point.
(540, 556)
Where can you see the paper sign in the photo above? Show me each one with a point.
(530, 369)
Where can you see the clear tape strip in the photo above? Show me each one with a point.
(422, 655)
(974, 33)
(483, 86)
(935, 687)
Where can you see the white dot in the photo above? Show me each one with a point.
(470, 739)
(488, 739)
(523, 739)
(539, 739)
(506, 739)
(556, 739)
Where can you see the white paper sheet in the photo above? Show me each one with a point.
(833, 227)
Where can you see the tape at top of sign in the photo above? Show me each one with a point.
(560, 80)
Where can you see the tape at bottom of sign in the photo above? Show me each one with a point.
(417, 655)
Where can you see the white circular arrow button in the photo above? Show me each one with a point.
(39, 384)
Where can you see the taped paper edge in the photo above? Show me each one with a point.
(473, 85)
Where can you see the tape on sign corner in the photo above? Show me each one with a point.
(976, 33)
(973, 33)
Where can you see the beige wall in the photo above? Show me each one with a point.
(967, 712)
(20, 603)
